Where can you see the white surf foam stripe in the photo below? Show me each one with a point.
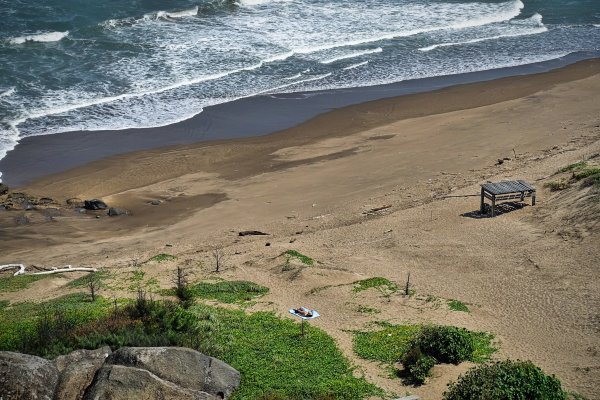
(178, 14)
(251, 3)
(8, 92)
(352, 55)
(39, 37)
(298, 75)
(125, 96)
(355, 65)
(316, 78)
(477, 40)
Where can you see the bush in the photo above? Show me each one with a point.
(506, 380)
(418, 365)
(447, 344)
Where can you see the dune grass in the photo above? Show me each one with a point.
(457, 305)
(227, 292)
(19, 282)
(306, 260)
(379, 283)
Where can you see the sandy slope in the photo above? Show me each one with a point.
(530, 276)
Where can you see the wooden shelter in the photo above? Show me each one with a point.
(505, 190)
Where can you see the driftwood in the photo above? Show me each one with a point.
(66, 268)
(251, 233)
(377, 209)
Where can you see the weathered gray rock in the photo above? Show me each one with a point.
(185, 367)
(26, 377)
(94, 204)
(114, 211)
(77, 370)
(155, 202)
(117, 382)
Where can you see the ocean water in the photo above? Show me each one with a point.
(85, 65)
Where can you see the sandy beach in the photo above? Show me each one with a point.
(529, 275)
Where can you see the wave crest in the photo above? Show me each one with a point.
(39, 37)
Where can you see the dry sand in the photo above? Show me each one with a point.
(530, 276)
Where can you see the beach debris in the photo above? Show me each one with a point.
(374, 211)
(115, 211)
(94, 204)
(252, 233)
(67, 268)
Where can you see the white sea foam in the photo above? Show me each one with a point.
(8, 92)
(352, 55)
(355, 65)
(251, 3)
(39, 37)
(178, 14)
(484, 39)
(289, 78)
(277, 88)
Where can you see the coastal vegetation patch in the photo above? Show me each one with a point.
(84, 281)
(306, 260)
(589, 175)
(506, 380)
(382, 284)
(224, 291)
(19, 282)
(457, 305)
(419, 348)
(162, 257)
(275, 360)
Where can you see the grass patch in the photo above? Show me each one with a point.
(574, 167)
(556, 186)
(390, 344)
(227, 291)
(277, 363)
(4, 304)
(367, 310)
(306, 260)
(19, 282)
(274, 360)
(82, 282)
(379, 283)
(162, 257)
(456, 305)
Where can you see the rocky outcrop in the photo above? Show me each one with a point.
(94, 204)
(115, 211)
(128, 373)
(26, 377)
(3, 189)
(77, 371)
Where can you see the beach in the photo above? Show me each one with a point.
(529, 275)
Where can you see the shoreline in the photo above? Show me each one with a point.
(37, 157)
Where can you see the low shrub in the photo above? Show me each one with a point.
(306, 260)
(417, 365)
(447, 344)
(376, 282)
(506, 380)
(456, 305)
(556, 186)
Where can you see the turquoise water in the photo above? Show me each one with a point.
(69, 65)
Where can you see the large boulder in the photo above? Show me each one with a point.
(26, 377)
(94, 204)
(77, 371)
(185, 367)
(117, 382)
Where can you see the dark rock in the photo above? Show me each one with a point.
(3, 189)
(174, 364)
(77, 371)
(251, 233)
(267, 244)
(26, 377)
(46, 200)
(155, 202)
(117, 382)
(114, 211)
(94, 204)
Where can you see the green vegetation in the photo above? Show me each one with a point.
(276, 362)
(456, 305)
(19, 282)
(416, 346)
(300, 257)
(574, 167)
(225, 291)
(4, 304)
(367, 310)
(506, 380)
(556, 186)
(162, 257)
(84, 281)
(382, 284)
